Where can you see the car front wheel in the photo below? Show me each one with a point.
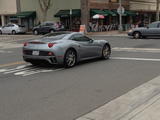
(0, 32)
(70, 59)
(13, 32)
(137, 35)
(106, 52)
(35, 32)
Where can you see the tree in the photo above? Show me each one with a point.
(45, 5)
(157, 10)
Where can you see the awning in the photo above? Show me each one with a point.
(26, 14)
(100, 12)
(66, 13)
(110, 12)
(130, 13)
(14, 17)
(126, 13)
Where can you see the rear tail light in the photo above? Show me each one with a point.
(25, 44)
(51, 45)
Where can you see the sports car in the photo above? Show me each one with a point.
(66, 48)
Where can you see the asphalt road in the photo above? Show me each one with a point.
(54, 93)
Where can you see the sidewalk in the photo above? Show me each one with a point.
(141, 103)
(108, 33)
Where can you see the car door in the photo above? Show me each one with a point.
(152, 29)
(88, 48)
(5, 29)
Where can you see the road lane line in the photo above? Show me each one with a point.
(136, 59)
(11, 64)
(152, 50)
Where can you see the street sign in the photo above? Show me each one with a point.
(70, 12)
(121, 10)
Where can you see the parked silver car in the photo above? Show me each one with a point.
(152, 29)
(12, 29)
(65, 48)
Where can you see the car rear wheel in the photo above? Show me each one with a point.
(13, 32)
(137, 35)
(35, 32)
(106, 52)
(70, 59)
(0, 32)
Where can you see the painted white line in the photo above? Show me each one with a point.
(136, 59)
(16, 69)
(25, 69)
(152, 50)
(41, 71)
(19, 67)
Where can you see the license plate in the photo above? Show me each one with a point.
(35, 52)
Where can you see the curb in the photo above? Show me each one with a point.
(129, 105)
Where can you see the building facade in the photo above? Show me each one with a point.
(75, 12)
(7, 9)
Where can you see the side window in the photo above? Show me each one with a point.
(49, 24)
(80, 38)
(158, 25)
(153, 25)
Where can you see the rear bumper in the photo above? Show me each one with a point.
(49, 59)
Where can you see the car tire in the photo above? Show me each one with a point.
(52, 31)
(106, 52)
(70, 58)
(13, 32)
(35, 32)
(137, 35)
(0, 32)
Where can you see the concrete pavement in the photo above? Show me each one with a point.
(142, 103)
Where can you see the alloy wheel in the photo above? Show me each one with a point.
(13, 32)
(35, 32)
(106, 52)
(70, 59)
(137, 35)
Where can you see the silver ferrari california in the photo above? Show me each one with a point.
(65, 48)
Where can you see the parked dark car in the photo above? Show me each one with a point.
(47, 27)
(152, 29)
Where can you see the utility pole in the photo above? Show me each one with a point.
(120, 15)
(84, 12)
(157, 10)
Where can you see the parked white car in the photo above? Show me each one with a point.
(12, 29)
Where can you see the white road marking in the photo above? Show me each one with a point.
(26, 70)
(42, 71)
(152, 50)
(136, 59)
(4, 51)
